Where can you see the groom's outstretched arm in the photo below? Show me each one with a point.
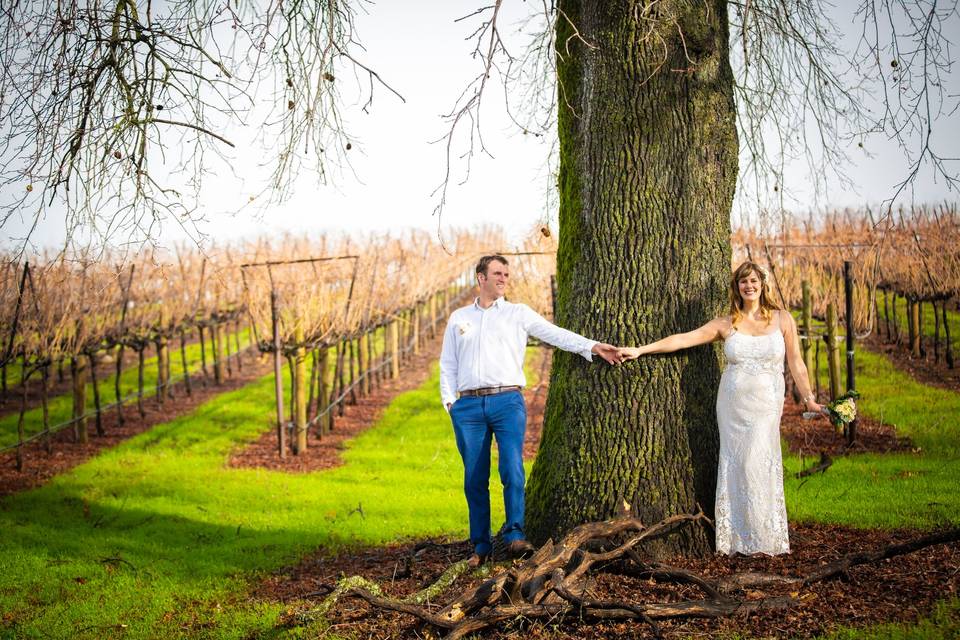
(539, 327)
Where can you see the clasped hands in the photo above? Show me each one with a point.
(615, 355)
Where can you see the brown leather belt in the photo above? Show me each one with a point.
(488, 391)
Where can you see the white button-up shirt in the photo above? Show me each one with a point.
(485, 347)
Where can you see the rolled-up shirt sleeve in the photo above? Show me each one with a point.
(448, 366)
(539, 327)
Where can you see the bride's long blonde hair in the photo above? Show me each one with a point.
(767, 305)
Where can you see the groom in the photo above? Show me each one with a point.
(482, 362)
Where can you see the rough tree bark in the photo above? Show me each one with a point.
(648, 166)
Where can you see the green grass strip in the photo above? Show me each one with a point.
(893, 490)
(61, 406)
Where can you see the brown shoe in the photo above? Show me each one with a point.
(520, 549)
(477, 559)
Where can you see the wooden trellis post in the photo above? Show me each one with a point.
(92, 359)
(806, 341)
(216, 333)
(162, 357)
(833, 351)
(364, 363)
(278, 374)
(323, 393)
(78, 373)
(300, 392)
(394, 349)
(851, 373)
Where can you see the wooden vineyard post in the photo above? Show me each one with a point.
(415, 318)
(203, 354)
(806, 341)
(223, 337)
(432, 310)
(896, 324)
(921, 348)
(363, 363)
(24, 374)
(311, 388)
(92, 359)
(886, 315)
(936, 332)
(44, 404)
(183, 360)
(833, 351)
(323, 393)
(236, 340)
(278, 375)
(913, 324)
(300, 392)
(140, 367)
(217, 336)
(848, 312)
(948, 346)
(162, 357)
(78, 374)
(394, 349)
(352, 355)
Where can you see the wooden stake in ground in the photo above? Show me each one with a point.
(92, 359)
(833, 351)
(806, 320)
(948, 346)
(79, 378)
(278, 375)
(394, 340)
(300, 392)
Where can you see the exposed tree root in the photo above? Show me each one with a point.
(555, 583)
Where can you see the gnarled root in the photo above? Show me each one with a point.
(555, 582)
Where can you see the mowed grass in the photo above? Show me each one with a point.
(891, 490)
(61, 407)
(159, 538)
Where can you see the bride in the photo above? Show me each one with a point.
(750, 513)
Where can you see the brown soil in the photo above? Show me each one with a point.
(816, 436)
(40, 466)
(923, 369)
(900, 589)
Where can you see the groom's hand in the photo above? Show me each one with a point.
(608, 352)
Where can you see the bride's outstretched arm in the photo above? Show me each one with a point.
(707, 333)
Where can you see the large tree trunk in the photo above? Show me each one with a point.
(648, 165)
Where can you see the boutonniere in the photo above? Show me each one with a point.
(463, 327)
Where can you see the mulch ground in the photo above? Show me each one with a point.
(900, 589)
(65, 453)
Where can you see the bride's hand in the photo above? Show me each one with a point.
(629, 353)
(814, 407)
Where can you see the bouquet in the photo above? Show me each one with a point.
(841, 411)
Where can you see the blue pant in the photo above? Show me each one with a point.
(475, 420)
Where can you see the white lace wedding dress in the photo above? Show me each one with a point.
(751, 516)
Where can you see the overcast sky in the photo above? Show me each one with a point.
(418, 49)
